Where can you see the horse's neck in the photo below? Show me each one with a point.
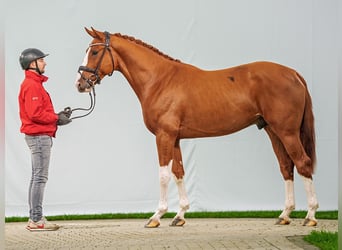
(142, 67)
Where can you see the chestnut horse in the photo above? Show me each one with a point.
(180, 101)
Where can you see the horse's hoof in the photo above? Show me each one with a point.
(283, 221)
(310, 223)
(177, 222)
(152, 224)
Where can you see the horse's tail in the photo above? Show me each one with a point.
(307, 129)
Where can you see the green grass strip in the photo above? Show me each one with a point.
(329, 215)
(323, 239)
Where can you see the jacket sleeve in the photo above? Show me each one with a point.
(39, 107)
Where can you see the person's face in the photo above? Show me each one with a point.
(40, 64)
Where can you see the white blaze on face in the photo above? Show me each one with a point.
(84, 63)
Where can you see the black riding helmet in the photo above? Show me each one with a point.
(30, 55)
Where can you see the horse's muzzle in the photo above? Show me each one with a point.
(83, 86)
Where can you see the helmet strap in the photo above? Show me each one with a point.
(36, 68)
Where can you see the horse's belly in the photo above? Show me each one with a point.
(215, 127)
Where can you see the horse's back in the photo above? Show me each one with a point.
(250, 82)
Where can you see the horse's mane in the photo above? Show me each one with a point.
(140, 42)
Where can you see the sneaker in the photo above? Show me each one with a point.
(42, 225)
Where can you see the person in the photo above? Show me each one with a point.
(39, 124)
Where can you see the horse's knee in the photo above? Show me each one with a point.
(164, 175)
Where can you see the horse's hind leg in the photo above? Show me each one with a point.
(178, 171)
(303, 163)
(310, 219)
(286, 168)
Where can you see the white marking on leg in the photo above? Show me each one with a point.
(311, 198)
(164, 179)
(289, 200)
(183, 198)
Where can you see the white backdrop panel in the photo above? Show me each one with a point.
(107, 162)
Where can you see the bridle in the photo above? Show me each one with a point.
(94, 78)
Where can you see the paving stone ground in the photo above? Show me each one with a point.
(196, 234)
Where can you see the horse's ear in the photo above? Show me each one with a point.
(89, 31)
(97, 33)
(93, 33)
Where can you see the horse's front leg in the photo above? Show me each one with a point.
(178, 171)
(164, 179)
(165, 144)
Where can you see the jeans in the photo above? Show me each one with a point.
(40, 147)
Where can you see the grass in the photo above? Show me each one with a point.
(329, 215)
(323, 239)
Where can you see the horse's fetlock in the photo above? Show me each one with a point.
(313, 205)
(184, 204)
(290, 207)
(162, 210)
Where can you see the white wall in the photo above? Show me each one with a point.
(340, 124)
(2, 129)
(108, 162)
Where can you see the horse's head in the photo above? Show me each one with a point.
(97, 63)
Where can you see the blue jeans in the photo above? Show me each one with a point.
(40, 147)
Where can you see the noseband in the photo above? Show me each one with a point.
(95, 78)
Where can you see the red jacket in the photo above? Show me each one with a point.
(35, 107)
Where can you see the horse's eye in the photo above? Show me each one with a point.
(94, 52)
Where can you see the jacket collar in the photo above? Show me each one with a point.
(35, 76)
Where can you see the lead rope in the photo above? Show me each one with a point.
(92, 95)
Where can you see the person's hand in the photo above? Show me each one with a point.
(63, 118)
(67, 111)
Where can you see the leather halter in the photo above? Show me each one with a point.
(95, 78)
